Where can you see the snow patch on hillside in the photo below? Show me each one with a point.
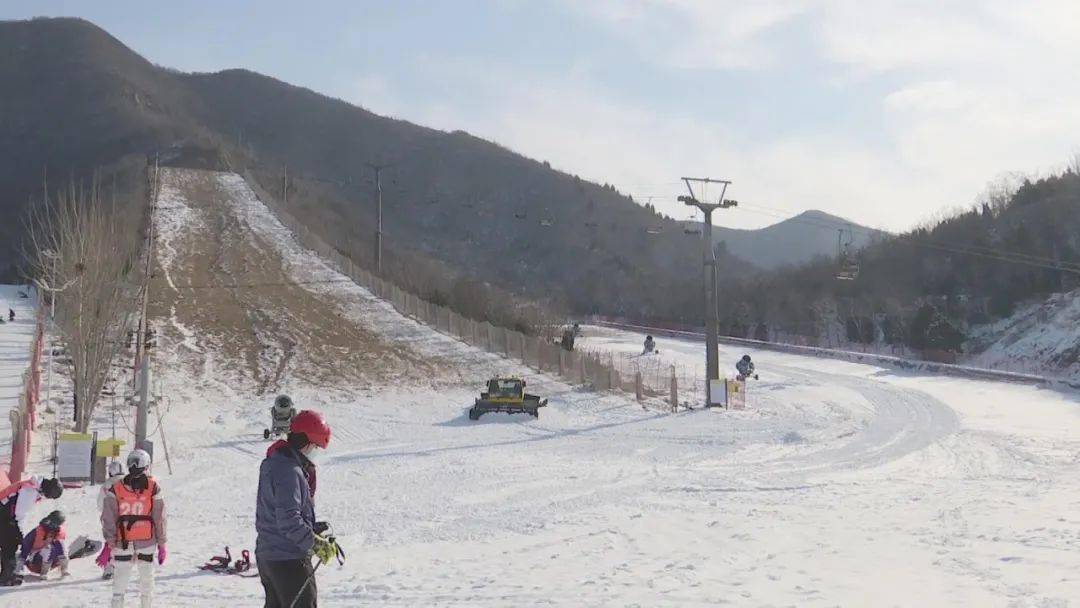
(1041, 338)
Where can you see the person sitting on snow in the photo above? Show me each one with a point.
(650, 345)
(745, 367)
(43, 548)
(16, 502)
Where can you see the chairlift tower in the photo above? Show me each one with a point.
(712, 339)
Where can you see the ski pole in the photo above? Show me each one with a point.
(300, 593)
(341, 560)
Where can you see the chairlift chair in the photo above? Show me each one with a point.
(848, 269)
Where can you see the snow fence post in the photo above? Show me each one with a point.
(674, 391)
(581, 369)
(531, 346)
(18, 447)
(639, 386)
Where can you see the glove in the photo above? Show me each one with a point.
(161, 553)
(320, 527)
(324, 549)
(104, 557)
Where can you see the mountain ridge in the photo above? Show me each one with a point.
(472, 206)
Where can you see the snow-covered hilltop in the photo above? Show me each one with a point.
(1041, 338)
(841, 484)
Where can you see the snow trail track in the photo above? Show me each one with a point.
(841, 484)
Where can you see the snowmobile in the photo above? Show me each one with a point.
(281, 415)
(506, 395)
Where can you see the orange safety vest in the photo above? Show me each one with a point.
(41, 537)
(10, 491)
(133, 520)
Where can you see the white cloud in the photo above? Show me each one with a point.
(719, 34)
(977, 90)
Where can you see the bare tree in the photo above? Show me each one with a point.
(1073, 164)
(90, 244)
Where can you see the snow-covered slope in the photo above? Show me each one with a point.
(842, 484)
(1041, 338)
(15, 339)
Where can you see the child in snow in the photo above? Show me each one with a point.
(133, 526)
(43, 548)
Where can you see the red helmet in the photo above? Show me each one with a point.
(311, 424)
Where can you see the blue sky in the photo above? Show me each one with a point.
(887, 113)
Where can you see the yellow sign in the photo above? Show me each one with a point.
(76, 437)
(109, 448)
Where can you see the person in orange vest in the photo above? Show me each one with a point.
(133, 526)
(16, 502)
(43, 548)
(116, 473)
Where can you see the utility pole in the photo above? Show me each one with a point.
(378, 214)
(142, 355)
(712, 339)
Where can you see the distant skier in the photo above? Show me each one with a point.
(567, 339)
(281, 415)
(287, 534)
(43, 548)
(11, 314)
(650, 346)
(745, 367)
(16, 502)
(133, 526)
(577, 329)
(116, 474)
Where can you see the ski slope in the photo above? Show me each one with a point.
(841, 484)
(15, 341)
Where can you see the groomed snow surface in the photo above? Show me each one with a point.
(840, 485)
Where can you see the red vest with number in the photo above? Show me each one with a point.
(7, 495)
(133, 521)
(41, 537)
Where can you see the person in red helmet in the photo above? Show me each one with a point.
(287, 533)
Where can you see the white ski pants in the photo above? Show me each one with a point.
(124, 560)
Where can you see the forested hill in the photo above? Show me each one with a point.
(927, 287)
(456, 208)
